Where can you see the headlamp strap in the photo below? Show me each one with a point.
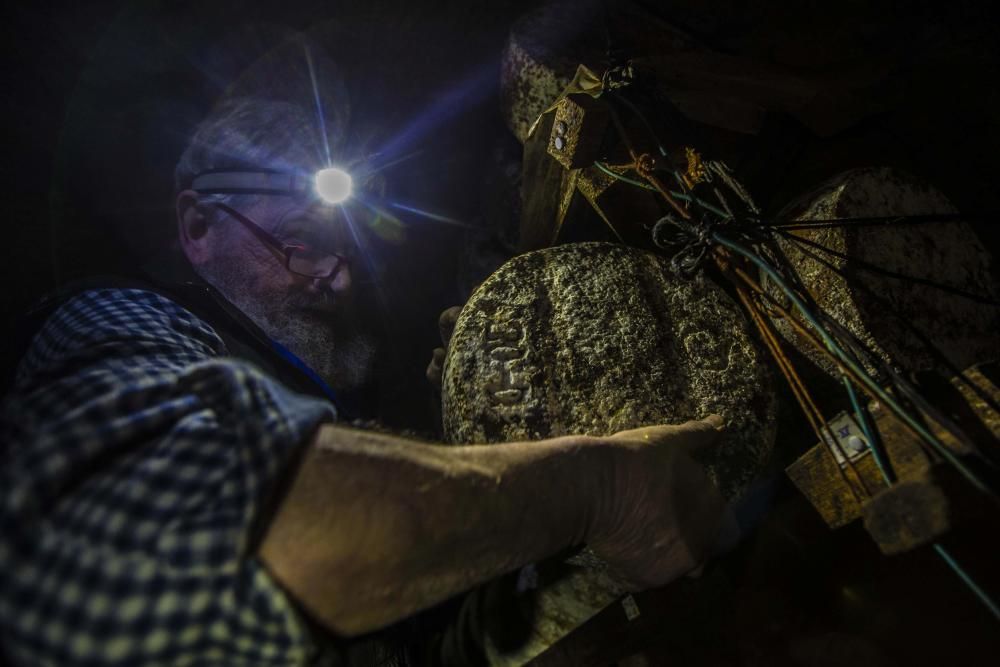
(262, 182)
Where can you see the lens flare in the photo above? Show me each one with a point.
(333, 185)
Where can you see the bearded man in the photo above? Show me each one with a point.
(176, 487)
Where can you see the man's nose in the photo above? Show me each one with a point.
(339, 281)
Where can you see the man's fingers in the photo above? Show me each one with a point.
(696, 572)
(697, 435)
(716, 421)
(435, 367)
(437, 356)
(446, 327)
(690, 436)
(446, 323)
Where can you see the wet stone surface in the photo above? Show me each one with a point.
(596, 338)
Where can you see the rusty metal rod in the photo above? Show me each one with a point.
(812, 338)
(805, 400)
(645, 173)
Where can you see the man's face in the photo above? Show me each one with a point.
(322, 320)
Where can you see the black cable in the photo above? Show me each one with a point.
(938, 356)
(881, 221)
(872, 268)
(858, 350)
(899, 381)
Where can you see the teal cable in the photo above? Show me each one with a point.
(631, 181)
(969, 581)
(941, 551)
(714, 209)
(872, 385)
(711, 207)
(676, 195)
(880, 460)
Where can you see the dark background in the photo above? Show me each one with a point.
(99, 98)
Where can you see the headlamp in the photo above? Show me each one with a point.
(331, 185)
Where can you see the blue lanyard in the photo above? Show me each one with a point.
(293, 359)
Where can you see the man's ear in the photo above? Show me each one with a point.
(192, 228)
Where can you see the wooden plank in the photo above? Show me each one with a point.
(840, 502)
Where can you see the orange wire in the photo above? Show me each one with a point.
(636, 160)
(815, 417)
(663, 191)
(809, 335)
(805, 400)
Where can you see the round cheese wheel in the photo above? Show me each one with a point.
(596, 338)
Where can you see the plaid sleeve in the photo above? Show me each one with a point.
(138, 459)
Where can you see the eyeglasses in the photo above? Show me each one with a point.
(299, 259)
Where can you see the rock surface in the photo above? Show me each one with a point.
(548, 43)
(893, 316)
(596, 338)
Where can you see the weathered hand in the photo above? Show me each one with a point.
(660, 514)
(446, 326)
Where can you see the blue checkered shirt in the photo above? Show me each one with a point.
(137, 460)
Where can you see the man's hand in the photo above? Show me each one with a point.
(659, 514)
(446, 326)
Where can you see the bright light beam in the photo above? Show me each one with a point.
(319, 105)
(374, 271)
(333, 185)
(376, 168)
(436, 217)
(472, 90)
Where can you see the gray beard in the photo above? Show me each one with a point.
(329, 337)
